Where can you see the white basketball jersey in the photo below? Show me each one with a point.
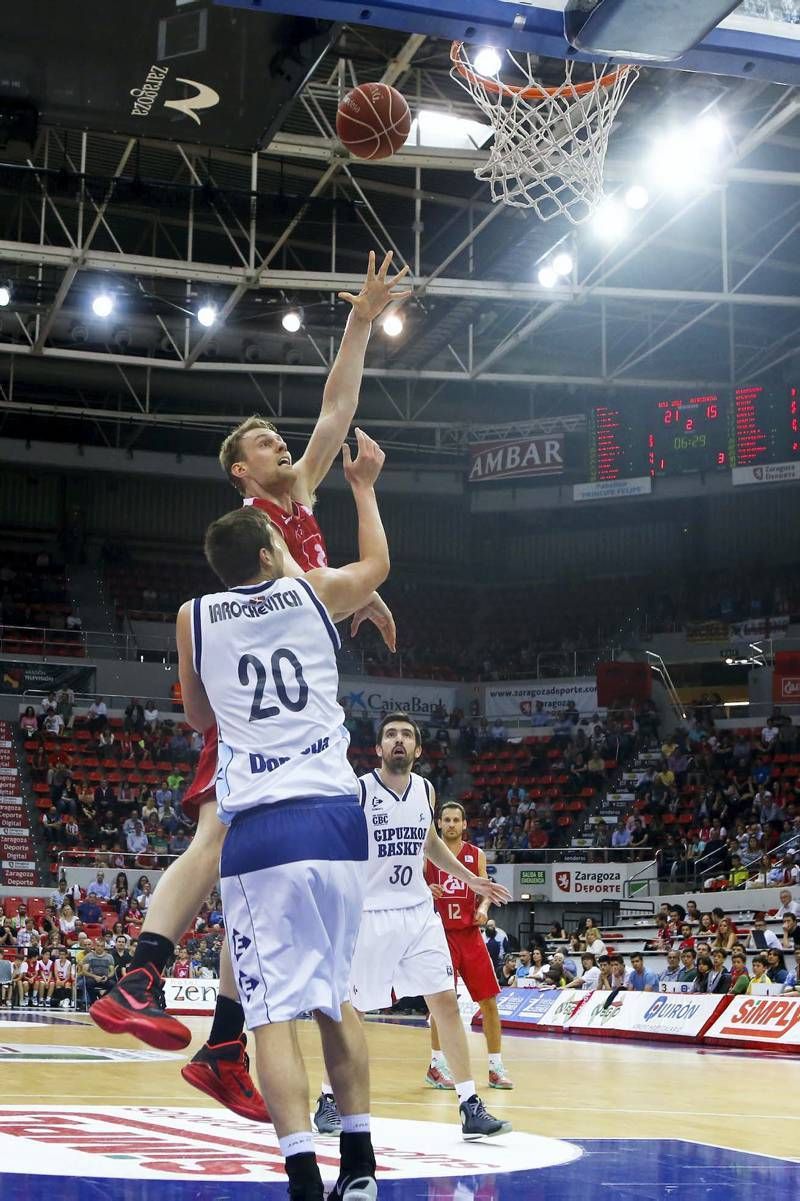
(266, 654)
(398, 827)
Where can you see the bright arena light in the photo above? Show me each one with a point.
(610, 220)
(488, 61)
(563, 263)
(207, 315)
(393, 325)
(637, 197)
(548, 276)
(685, 158)
(103, 305)
(291, 321)
(710, 130)
(5, 297)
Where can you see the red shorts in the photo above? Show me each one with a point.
(472, 963)
(202, 790)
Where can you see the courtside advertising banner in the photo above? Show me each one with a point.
(648, 1015)
(519, 699)
(191, 996)
(769, 1023)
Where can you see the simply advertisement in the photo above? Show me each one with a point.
(760, 1021)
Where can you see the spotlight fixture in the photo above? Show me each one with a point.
(548, 276)
(563, 263)
(78, 333)
(207, 315)
(5, 296)
(609, 220)
(488, 61)
(103, 305)
(393, 325)
(637, 197)
(292, 321)
(250, 352)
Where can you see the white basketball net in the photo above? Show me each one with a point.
(549, 143)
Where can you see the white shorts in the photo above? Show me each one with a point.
(291, 925)
(400, 950)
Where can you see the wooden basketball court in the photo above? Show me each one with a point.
(619, 1106)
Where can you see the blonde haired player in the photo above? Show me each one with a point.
(401, 945)
(258, 464)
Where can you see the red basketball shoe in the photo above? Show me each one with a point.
(131, 1007)
(223, 1072)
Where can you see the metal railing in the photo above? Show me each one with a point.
(41, 642)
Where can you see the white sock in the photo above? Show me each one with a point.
(438, 1059)
(326, 1089)
(355, 1123)
(465, 1091)
(297, 1144)
(496, 1063)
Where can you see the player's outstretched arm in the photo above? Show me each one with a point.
(345, 589)
(438, 854)
(196, 705)
(340, 397)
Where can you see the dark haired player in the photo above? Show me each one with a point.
(462, 918)
(401, 946)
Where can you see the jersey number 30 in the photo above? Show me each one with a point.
(259, 713)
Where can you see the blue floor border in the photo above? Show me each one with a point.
(622, 1169)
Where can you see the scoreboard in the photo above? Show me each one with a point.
(688, 434)
(764, 427)
(637, 437)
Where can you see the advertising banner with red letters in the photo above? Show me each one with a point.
(765, 1023)
(786, 678)
(516, 458)
(17, 862)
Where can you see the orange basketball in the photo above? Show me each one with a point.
(373, 120)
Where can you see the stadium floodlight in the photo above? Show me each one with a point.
(5, 296)
(292, 321)
(610, 220)
(487, 61)
(710, 130)
(637, 197)
(548, 276)
(393, 325)
(207, 315)
(563, 263)
(103, 305)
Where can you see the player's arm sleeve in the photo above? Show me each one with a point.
(196, 706)
(339, 404)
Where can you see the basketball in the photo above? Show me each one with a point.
(373, 121)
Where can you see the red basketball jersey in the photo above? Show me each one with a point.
(457, 906)
(305, 544)
(300, 531)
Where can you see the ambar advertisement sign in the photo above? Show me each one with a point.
(516, 457)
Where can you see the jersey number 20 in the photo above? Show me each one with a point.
(257, 712)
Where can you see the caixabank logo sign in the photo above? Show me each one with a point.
(149, 1143)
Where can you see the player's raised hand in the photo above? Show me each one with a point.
(363, 470)
(436, 891)
(379, 613)
(378, 289)
(496, 893)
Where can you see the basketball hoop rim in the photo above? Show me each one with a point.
(539, 92)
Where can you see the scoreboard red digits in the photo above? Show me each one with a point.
(765, 426)
(687, 434)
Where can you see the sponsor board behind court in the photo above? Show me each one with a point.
(765, 1022)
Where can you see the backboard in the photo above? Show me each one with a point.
(761, 40)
